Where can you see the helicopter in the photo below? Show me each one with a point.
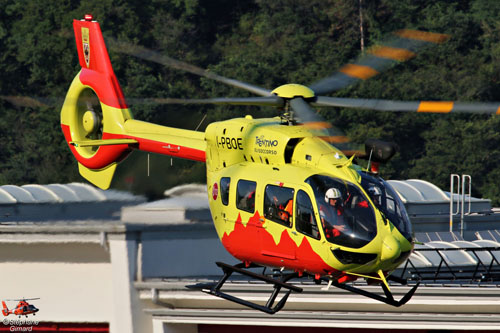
(284, 192)
(23, 308)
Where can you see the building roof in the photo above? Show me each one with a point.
(60, 193)
(184, 204)
(417, 190)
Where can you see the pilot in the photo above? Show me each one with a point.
(332, 213)
(376, 195)
(334, 199)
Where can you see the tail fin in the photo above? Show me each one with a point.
(97, 71)
(86, 118)
(97, 123)
(5, 310)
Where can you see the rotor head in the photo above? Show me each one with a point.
(293, 90)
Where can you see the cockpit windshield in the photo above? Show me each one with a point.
(388, 202)
(347, 218)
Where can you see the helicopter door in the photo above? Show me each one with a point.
(305, 221)
(308, 231)
(278, 213)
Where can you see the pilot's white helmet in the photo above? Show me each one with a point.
(332, 193)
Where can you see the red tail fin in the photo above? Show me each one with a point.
(5, 310)
(85, 124)
(97, 71)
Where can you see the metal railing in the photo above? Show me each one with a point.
(460, 199)
(484, 270)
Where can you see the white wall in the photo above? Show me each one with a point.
(70, 290)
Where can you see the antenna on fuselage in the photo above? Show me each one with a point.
(370, 160)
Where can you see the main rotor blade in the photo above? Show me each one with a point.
(401, 47)
(27, 101)
(304, 111)
(259, 101)
(150, 55)
(419, 106)
(316, 124)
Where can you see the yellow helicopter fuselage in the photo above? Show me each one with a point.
(268, 157)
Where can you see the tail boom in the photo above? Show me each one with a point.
(164, 140)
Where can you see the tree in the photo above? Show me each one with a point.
(267, 43)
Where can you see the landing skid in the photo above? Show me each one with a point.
(388, 299)
(214, 288)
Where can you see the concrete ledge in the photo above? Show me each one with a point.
(430, 308)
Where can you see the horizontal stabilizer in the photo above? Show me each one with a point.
(97, 143)
(100, 178)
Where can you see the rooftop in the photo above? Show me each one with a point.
(60, 193)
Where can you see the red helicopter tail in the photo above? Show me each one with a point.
(5, 309)
(94, 101)
(97, 124)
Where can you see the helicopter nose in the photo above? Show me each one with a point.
(391, 249)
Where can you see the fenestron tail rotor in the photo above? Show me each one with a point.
(91, 118)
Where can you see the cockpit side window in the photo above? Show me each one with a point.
(224, 189)
(346, 216)
(278, 204)
(397, 212)
(304, 219)
(388, 202)
(245, 195)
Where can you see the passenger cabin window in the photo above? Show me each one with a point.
(305, 221)
(245, 196)
(278, 204)
(224, 189)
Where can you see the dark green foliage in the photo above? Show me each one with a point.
(267, 43)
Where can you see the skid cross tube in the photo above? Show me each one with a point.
(214, 289)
